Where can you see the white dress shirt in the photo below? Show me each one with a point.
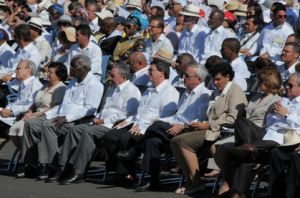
(26, 94)
(44, 47)
(285, 74)
(192, 106)
(251, 44)
(161, 42)
(29, 52)
(214, 40)
(192, 42)
(6, 55)
(121, 102)
(272, 39)
(80, 100)
(141, 77)
(277, 125)
(240, 68)
(93, 51)
(94, 25)
(156, 103)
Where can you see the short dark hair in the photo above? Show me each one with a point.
(297, 37)
(159, 11)
(84, 30)
(255, 19)
(233, 44)
(61, 70)
(163, 67)
(22, 31)
(212, 61)
(222, 68)
(185, 58)
(279, 7)
(295, 46)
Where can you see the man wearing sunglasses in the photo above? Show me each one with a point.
(274, 35)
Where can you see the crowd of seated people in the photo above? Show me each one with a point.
(138, 79)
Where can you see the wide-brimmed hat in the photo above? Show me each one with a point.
(191, 10)
(164, 55)
(104, 14)
(134, 4)
(36, 22)
(291, 138)
(242, 10)
(218, 3)
(70, 33)
(232, 6)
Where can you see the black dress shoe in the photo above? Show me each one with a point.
(53, 176)
(73, 179)
(28, 172)
(127, 155)
(149, 186)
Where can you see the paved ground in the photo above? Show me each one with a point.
(28, 188)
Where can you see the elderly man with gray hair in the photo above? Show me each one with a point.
(43, 135)
(122, 101)
(193, 105)
(27, 91)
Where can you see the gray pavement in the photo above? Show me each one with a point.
(29, 188)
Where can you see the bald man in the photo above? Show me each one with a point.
(139, 68)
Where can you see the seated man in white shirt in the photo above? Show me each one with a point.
(121, 102)
(290, 55)
(27, 91)
(88, 48)
(192, 107)
(157, 38)
(26, 51)
(158, 101)
(216, 36)
(250, 38)
(81, 100)
(230, 52)
(274, 35)
(193, 36)
(6, 52)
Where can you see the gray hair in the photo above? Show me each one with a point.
(29, 64)
(81, 61)
(123, 68)
(200, 71)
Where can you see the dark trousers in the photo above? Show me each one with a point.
(117, 140)
(285, 183)
(236, 168)
(4, 129)
(156, 141)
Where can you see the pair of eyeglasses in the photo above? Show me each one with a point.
(289, 85)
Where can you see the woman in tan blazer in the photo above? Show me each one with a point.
(225, 104)
(249, 129)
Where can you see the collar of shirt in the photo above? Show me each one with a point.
(114, 33)
(38, 39)
(235, 61)
(226, 88)
(160, 87)
(197, 89)
(160, 38)
(296, 100)
(123, 85)
(28, 80)
(86, 48)
(141, 71)
(3, 46)
(291, 69)
(86, 79)
(219, 29)
(27, 48)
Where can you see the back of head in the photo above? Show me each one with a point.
(233, 44)
(222, 68)
(81, 61)
(22, 32)
(163, 67)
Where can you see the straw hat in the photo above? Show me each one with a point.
(104, 14)
(134, 4)
(242, 10)
(218, 3)
(191, 10)
(291, 138)
(36, 22)
(164, 55)
(232, 6)
(70, 33)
